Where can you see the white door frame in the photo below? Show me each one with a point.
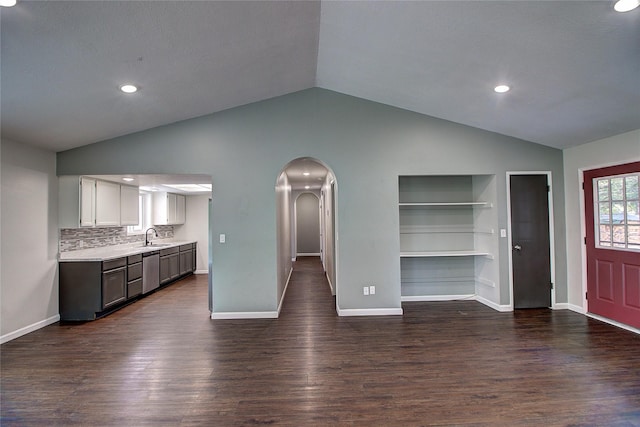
(552, 250)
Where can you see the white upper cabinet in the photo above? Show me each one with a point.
(107, 204)
(181, 209)
(129, 205)
(89, 202)
(168, 208)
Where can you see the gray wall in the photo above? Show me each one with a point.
(367, 145)
(29, 242)
(307, 224)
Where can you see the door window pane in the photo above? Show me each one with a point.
(631, 184)
(617, 189)
(634, 235)
(618, 211)
(605, 213)
(603, 190)
(632, 212)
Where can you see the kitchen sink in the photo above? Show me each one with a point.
(158, 245)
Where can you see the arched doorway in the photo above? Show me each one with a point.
(311, 183)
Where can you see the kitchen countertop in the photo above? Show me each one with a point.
(111, 252)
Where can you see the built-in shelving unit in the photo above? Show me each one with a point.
(447, 235)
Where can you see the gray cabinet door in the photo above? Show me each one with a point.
(174, 265)
(186, 262)
(169, 268)
(114, 286)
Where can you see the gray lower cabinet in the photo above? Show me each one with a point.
(186, 259)
(114, 287)
(89, 288)
(134, 276)
(169, 264)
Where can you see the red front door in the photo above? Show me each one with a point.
(613, 242)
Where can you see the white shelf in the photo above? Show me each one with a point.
(428, 229)
(444, 204)
(433, 254)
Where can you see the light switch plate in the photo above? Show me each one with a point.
(223, 238)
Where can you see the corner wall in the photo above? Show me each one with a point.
(29, 224)
(196, 228)
(617, 149)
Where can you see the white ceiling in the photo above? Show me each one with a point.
(574, 65)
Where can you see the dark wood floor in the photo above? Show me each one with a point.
(162, 361)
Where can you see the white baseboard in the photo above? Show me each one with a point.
(27, 329)
(201, 272)
(469, 297)
(464, 297)
(286, 286)
(614, 323)
(576, 308)
(308, 254)
(245, 315)
(370, 312)
(560, 306)
(491, 304)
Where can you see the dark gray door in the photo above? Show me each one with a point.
(530, 240)
(307, 224)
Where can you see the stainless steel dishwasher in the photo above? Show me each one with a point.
(150, 271)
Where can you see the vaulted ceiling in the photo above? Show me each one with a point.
(574, 66)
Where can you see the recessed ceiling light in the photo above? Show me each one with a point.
(306, 173)
(501, 88)
(7, 3)
(626, 5)
(127, 179)
(128, 88)
(306, 187)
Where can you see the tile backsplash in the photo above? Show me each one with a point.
(73, 239)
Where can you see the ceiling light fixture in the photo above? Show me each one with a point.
(306, 173)
(7, 3)
(190, 188)
(626, 5)
(501, 88)
(128, 88)
(306, 187)
(127, 179)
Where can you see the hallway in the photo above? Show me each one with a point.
(163, 362)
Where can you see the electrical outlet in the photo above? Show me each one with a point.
(372, 290)
(365, 290)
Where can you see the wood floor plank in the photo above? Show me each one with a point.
(162, 361)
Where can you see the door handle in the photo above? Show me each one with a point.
(517, 247)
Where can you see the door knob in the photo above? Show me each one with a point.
(517, 247)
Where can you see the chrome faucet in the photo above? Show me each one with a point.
(147, 242)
